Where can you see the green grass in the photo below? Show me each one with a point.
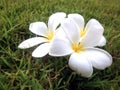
(20, 71)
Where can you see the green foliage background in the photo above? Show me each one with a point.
(20, 71)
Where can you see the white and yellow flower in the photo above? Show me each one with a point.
(83, 54)
(46, 34)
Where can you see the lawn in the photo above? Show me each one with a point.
(20, 71)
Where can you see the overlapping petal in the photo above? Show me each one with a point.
(71, 30)
(41, 50)
(60, 32)
(94, 32)
(99, 58)
(60, 47)
(80, 64)
(102, 42)
(38, 28)
(55, 19)
(78, 19)
(93, 22)
(31, 42)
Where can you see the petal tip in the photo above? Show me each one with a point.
(21, 46)
(24, 45)
(37, 55)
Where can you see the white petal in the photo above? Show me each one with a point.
(78, 19)
(94, 32)
(79, 63)
(31, 42)
(93, 22)
(38, 28)
(102, 42)
(71, 30)
(99, 58)
(42, 50)
(60, 47)
(60, 32)
(55, 19)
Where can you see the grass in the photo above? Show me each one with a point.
(20, 71)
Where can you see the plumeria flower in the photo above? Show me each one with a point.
(46, 35)
(83, 55)
(84, 30)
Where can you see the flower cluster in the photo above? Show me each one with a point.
(68, 35)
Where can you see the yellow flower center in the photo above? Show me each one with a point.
(50, 36)
(78, 47)
(82, 33)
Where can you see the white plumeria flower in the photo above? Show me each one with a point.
(83, 55)
(83, 31)
(47, 33)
